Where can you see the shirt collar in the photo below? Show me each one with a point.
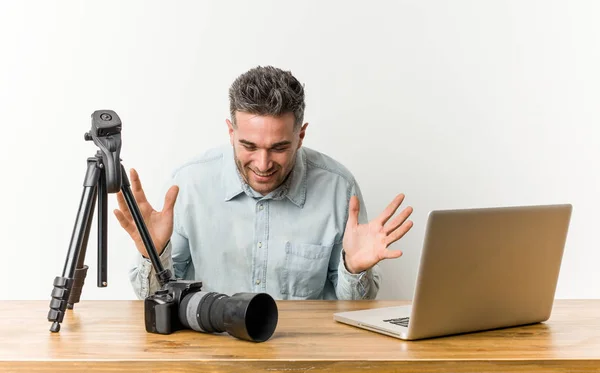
(294, 187)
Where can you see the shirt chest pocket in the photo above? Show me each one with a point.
(305, 270)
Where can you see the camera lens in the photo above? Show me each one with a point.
(248, 316)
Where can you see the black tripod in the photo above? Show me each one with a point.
(104, 175)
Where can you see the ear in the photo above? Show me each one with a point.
(231, 130)
(302, 134)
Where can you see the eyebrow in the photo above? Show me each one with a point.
(277, 144)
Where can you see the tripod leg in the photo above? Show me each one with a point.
(163, 275)
(64, 283)
(81, 269)
(102, 230)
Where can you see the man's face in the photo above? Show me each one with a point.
(265, 148)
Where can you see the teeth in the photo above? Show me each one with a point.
(263, 175)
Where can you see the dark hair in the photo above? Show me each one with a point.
(267, 91)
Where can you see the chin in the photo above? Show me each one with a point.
(263, 189)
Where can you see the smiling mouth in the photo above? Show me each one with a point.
(264, 175)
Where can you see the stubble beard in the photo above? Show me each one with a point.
(244, 172)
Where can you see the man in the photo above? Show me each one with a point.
(266, 214)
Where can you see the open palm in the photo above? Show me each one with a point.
(367, 244)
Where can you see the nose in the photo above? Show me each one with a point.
(263, 161)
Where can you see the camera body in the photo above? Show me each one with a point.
(161, 309)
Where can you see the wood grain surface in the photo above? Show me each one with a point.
(110, 336)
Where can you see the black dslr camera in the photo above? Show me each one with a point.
(183, 305)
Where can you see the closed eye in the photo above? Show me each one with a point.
(277, 147)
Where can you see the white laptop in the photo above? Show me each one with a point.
(480, 269)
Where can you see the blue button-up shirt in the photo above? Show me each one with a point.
(287, 243)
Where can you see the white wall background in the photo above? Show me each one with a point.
(458, 104)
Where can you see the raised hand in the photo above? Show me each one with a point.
(367, 244)
(159, 223)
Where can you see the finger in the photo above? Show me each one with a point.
(170, 199)
(353, 211)
(392, 254)
(136, 187)
(398, 220)
(123, 206)
(399, 232)
(390, 209)
(125, 223)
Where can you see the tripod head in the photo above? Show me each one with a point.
(106, 134)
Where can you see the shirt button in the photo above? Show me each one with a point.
(260, 244)
(260, 207)
(257, 282)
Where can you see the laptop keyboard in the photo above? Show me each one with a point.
(402, 321)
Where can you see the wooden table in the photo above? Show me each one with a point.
(110, 336)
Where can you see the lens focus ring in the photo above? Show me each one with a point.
(192, 310)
